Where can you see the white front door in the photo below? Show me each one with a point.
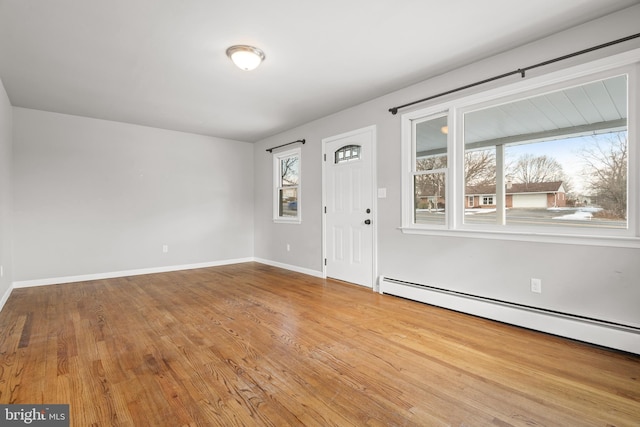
(349, 226)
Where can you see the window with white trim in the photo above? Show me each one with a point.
(286, 178)
(487, 200)
(552, 158)
(429, 169)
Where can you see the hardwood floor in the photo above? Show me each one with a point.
(249, 344)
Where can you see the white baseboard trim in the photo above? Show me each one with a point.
(124, 273)
(5, 297)
(295, 268)
(141, 271)
(591, 331)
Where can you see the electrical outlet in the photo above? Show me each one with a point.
(288, 247)
(165, 249)
(536, 285)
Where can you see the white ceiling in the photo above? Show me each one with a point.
(162, 63)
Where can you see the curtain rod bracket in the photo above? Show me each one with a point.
(288, 143)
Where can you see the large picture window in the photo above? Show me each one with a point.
(561, 157)
(286, 166)
(547, 161)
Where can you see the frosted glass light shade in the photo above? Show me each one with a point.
(245, 57)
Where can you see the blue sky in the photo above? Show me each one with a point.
(565, 151)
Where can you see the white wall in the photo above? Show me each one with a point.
(95, 197)
(592, 281)
(6, 211)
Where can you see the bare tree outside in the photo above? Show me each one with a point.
(530, 169)
(429, 185)
(480, 167)
(289, 171)
(431, 163)
(605, 171)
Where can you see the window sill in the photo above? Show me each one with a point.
(619, 242)
(287, 221)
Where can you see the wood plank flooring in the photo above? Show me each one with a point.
(249, 344)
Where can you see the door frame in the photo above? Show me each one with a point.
(374, 199)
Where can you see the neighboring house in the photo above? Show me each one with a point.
(531, 195)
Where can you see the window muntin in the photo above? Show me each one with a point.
(347, 153)
(429, 169)
(287, 186)
(465, 213)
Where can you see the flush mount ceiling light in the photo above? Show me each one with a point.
(245, 57)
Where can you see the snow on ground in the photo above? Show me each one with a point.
(582, 214)
(437, 211)
(473, 211)
(576, 214)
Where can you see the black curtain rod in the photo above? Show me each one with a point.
(284, 145)
(520, 71)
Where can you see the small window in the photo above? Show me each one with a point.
(286, 167)
(347, 153)
(430, 169)
(487, 200)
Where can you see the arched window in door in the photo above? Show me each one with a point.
(347, 153)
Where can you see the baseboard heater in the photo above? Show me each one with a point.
(582, 328)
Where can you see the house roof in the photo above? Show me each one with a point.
(517, 188)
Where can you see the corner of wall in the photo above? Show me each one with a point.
(6, 196)
(5, 297)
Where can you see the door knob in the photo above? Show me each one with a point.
(367, 221)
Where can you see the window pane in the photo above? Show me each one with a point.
(480, 186)
(289, 171)
(431, 144)
(286, 186)
(582, 182)
(288, 202)
(565, 157)
(347, 153)
(429, 204)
